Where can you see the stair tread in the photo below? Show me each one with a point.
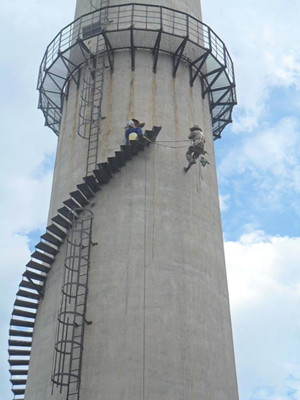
(18, 361)
(20, 333)
(42, 257)
(66, 213)
(79, 197)
(33, 275)
(20, 322)
(85, 189)
(38, 266)
(28, 285)
(47, 248)
(56, 230)
(18, 372)
(51, 239)
(91, 181)
(19, 352)
(23, 313)
(27, 294)
(58, 219)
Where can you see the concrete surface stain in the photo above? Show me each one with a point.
(108, 118)
(131, 98)
(154, 96)
(176, 122)
(154, 99)
(191, 108)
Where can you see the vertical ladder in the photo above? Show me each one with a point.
(92, 94)
(72, 314)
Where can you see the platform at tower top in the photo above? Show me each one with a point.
(134, 26)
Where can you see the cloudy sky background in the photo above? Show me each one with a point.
(258, 172)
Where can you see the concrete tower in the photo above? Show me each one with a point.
(125, 296)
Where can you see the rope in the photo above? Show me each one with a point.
(173, 141)
(158, 143)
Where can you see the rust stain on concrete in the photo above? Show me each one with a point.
(130, 113)
(176, 122)
(191, 108)
(108, 118)
(154, 95)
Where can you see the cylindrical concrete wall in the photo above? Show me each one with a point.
(158, 294)
(192, 7)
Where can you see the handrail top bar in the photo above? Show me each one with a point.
(126, 5)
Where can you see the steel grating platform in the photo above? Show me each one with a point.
(140, 26)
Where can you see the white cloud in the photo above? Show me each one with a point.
(224, 202)
(268, 160)
(262, 37)
(264, 281)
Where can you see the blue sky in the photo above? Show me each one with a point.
(258, 173)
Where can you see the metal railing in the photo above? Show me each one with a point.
(69, 45)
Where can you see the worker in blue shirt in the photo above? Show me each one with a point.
(133, 130)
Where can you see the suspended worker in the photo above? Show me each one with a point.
(197, 148)
(133, 130)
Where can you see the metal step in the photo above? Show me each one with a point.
(33, 275)
(51, 239)
(39, 267)
(42, 257)
(107, 168)
(17, 382)
(58, 219)
(27, 304)
(85, 189)
(47, 248)
(134, 147)
(126, 148)
(18, 372)
(121, 158)
(79, 197)
(27, 294)
(19, 343)
(92, 183)
(73, 205)
(18, 391)
(101, 175)
(18, 361)
(56, 230)
(19, 322)
(21, 333)
(18, 352)
(23, 313)
(25, 284)
(67, 213)
(114, 164)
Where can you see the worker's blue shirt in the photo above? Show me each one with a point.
(128, 131)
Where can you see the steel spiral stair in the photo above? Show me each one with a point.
(32, 286)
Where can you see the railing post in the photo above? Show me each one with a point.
(209, 39)
(187, 25)
(132, 12)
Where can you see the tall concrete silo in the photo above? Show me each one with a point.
(125, 296)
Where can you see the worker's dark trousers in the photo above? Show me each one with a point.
(193, 153)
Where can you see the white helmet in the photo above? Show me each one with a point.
(129, 124)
